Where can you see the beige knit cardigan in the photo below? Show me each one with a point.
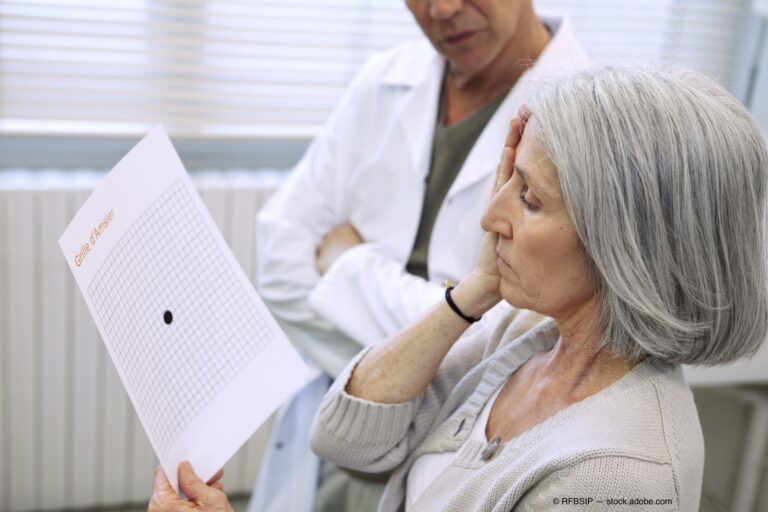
(638, 439)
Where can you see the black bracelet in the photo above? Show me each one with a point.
(456, 309)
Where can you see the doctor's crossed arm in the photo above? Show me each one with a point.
(337, 241)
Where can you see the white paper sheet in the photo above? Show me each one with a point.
(202, 360)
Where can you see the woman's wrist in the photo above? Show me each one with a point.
(476, 294)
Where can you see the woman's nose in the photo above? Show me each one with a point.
(496, 217)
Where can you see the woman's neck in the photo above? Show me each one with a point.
(577, 364)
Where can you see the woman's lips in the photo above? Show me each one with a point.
(460, 38)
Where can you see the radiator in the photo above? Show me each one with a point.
(69, 437)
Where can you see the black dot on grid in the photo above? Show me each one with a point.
(168, 317)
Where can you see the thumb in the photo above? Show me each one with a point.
(190, 484)
(161, 485)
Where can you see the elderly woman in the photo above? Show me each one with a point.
(627, 232)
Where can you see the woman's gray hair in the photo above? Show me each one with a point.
(664, 176)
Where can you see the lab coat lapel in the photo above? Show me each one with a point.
(417, 112)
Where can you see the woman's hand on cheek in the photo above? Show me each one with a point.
(202, 496)
(487, 269)
(486, 273)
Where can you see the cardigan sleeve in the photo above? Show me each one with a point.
(607, 483)
(376, 437)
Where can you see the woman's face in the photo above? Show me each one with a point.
(542, 264)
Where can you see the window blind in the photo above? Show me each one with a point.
(700, 34)
(271, 68)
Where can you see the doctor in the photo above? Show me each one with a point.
(386, 205)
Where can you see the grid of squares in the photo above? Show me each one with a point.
(169, 261)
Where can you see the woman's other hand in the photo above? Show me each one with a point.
(202, 496)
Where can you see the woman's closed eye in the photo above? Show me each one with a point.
(526, 201)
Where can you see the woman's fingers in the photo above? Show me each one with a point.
(214, 481)
(190, 483)
(207, 498)
(517, 127)
(203, 496)
(524, 113)
(160, 484)
(505, 169)
(514, 133)
(164, 498)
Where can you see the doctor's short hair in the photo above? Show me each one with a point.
(664, 175)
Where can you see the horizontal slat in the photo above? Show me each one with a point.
(173, 100)
(138, 77)
(276, 31)
(186, 48)
(231, 15)
(272, 75)
(171, 90)
(176, 66)
(48, 127)
(331, 4)
(33, 94)
(180, 34)
(170, 115)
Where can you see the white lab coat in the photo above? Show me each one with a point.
(368, 168)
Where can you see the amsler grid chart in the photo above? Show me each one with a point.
(169, 301)
(201, 357)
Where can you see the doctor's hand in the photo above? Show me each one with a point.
(202, 497)
(337, 241)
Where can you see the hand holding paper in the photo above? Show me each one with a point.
(203, 496)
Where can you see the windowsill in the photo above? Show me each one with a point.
(102, 153)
